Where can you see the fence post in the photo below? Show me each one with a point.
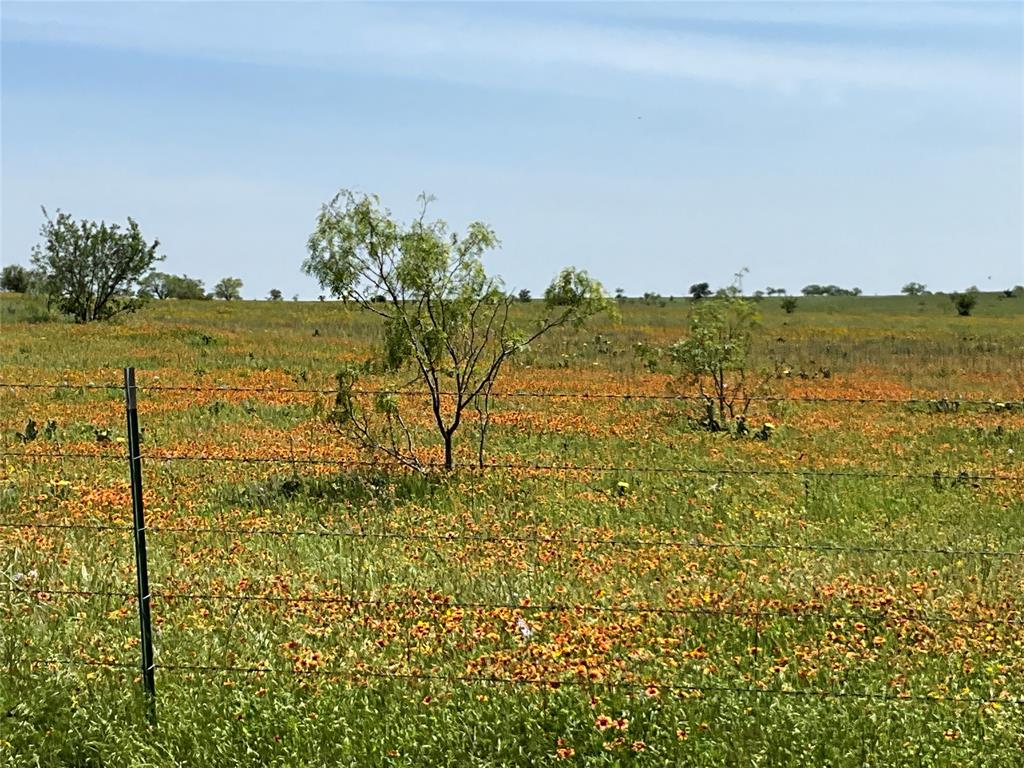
(139, 531)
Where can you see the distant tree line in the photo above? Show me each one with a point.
(828, 290)
(93, 271)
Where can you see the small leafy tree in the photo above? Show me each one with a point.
(715, 357)
(447, 325)
(914, 289)
(524, 295)
(788, 304)
(92, 271)
(229, 289)
(275, 295)
(15, 278)
(160, 285)
(700, 290)
(965, 302)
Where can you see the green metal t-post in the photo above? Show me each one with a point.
(139, 531)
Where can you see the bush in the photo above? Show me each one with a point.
(788, 304)
(715, 357)
(828, 290)
(92, 271)
(15, 278)
(965, 302)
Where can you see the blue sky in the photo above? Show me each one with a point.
(655, 145)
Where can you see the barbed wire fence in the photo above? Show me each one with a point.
(144, 597)
(942, 402)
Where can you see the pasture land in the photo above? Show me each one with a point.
(619, 587)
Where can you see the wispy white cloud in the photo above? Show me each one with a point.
(458, 43)
(733, 61)
(867, 14)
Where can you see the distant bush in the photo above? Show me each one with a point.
(700, 290)
(15, 278)
(651, 298)
(788, 304)
(228, 289)
(965, 302)
(914, 289)
(160, 285)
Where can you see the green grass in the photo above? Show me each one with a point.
(777, 612)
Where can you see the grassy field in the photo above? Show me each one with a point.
(845, 593)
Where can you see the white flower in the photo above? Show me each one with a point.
(524, 628)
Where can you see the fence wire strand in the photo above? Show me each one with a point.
(936, 400)
(360, 676)
(963, 476)
(630, 543)
(589, 541)
(799, 613)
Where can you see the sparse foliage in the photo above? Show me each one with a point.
(715, 357)
(650, 297)
(446, 323)
(91, 271)
(788, 304)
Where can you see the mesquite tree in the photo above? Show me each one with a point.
(445, 321)
(91, 271)
(715, 356)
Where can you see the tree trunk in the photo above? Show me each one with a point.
(447, 451)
